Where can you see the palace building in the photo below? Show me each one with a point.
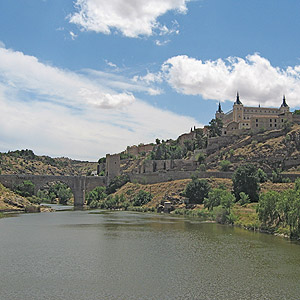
(254, 118)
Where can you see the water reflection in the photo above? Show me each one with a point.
(80, 255)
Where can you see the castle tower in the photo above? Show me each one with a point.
(284, 107)
(219, 112)
(238, 109)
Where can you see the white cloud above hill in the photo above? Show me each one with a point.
(133, 18)
(254, 77)
(64, 113)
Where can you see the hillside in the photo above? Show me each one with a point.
(9, 201)
(26, 162)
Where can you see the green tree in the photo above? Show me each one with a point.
(142, 198)
(215, 127)
(213, 199)
(197, 190)
(25, 189)
(96, 195)
(267, 207)
(245, 179)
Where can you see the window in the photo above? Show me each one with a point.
(256, 125)
(270, 120)
(275, 125)
(270, 125)
(256, 120)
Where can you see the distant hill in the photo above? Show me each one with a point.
(26, 162)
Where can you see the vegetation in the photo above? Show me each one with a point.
(56, 192)
(116, 183)
(245, 179)
(142, 198)
(197, 190)
(281, 211)
(225, 165)
(24, 189)
(215, 127)
(95, 196)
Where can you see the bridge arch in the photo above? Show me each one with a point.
(78, 184)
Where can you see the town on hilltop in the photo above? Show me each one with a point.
(201, 147)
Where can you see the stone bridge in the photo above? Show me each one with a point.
(78, 184)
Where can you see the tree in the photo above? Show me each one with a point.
(197, 190)
(213, 199)
(267, 207)
(215, 127)
(25, 189)
(142, 198)
(157, 141)
(245, 179)
(96, 195)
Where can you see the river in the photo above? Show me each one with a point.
(79, 255)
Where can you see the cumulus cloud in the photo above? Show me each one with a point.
(254, 77)
(62, 113)
(132, 18)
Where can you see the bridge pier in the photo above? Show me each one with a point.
(79, 191)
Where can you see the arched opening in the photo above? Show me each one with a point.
(55, 192)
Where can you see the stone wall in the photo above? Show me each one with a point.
(136, 150)
(157, 177)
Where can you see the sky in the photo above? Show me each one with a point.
(82, 78)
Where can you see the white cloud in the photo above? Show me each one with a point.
(2, 45)
(27, 73)
(73, 35)
(254, 77)
(132, 18)
(58, 112)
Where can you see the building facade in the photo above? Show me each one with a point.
(253, 118)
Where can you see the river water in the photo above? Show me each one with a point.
(79, 255)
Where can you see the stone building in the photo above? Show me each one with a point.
(255, 118)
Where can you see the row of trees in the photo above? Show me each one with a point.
(281, 210)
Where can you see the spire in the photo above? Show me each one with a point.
(219, 108)
(284, 104)
(237, 101)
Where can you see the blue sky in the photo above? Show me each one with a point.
(88, 77)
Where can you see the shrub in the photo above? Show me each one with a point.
(116, 183)
(142, 198)
(25, 189)
(225, 165)
(197, 190)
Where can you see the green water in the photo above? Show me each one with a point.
(123, 255)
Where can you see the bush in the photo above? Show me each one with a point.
(245, 179)
(116, 183)
(225, 165)
(25, 189)
(96, 195)
(142, 198)
(262, 176)
(197, 190)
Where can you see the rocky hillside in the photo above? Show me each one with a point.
(10, 201)
(26, 162)
(268, 150)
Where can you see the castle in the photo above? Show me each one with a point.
(253, 118)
